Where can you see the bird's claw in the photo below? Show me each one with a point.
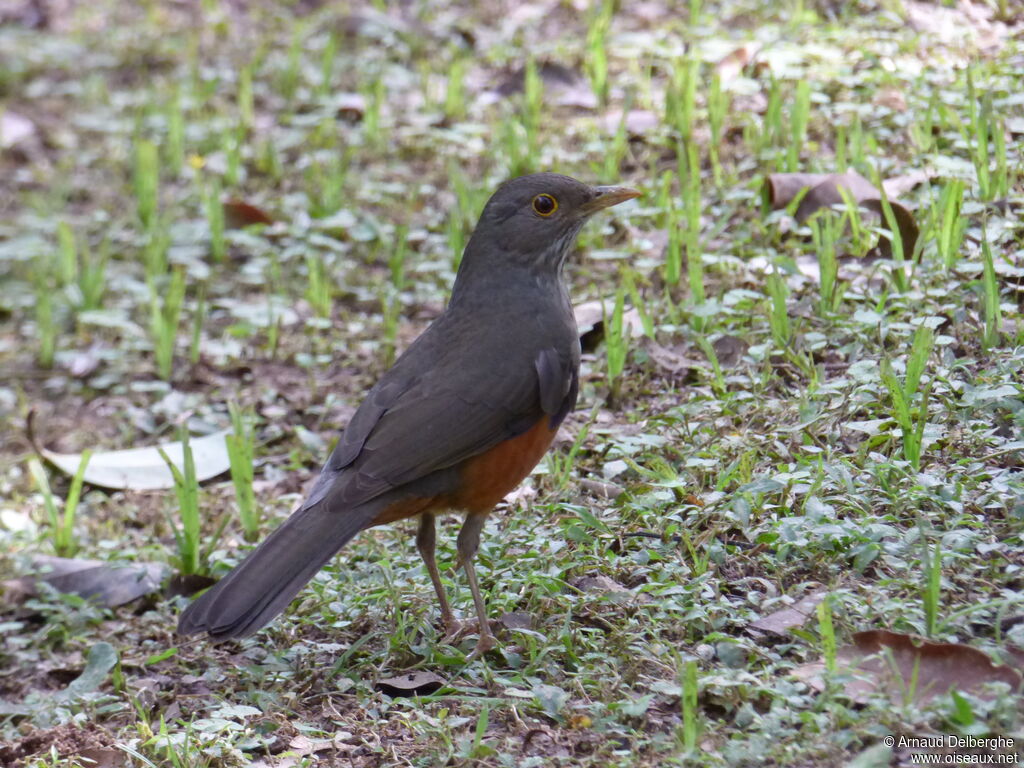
(455, 630)
(486, 643)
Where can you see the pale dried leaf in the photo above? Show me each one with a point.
(143, 469)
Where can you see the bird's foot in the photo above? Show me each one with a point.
(487, 642)
(455, 630)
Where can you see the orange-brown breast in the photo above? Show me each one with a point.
(484, 479)
(409, 507)
(487, 478)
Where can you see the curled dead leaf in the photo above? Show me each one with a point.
(239, 214)
(824, 192)
(418, 683)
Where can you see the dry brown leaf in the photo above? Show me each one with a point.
(601, 489)
(517, 620)
(97, 757)
(419, 683)
(599, 583)
(888, 662)
(781, 621)
(729, 350)
(673, 361)
(892, 98)
(563, 86)
(823, 192)
(302, 745)
(239, 214)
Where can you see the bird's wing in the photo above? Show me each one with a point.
(413, 425)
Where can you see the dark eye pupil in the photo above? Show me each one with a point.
(544, 204)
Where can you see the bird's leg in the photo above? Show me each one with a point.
(469, 542)
(426, 538)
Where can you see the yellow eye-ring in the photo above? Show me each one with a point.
(545, 205)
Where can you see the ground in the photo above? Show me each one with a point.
(261, 204)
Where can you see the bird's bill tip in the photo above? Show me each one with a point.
(609, 196)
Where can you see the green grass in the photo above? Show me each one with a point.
(803, 412)
(186, 488)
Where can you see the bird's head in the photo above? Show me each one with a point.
(532, 221)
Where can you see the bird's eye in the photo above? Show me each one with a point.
(545, 205)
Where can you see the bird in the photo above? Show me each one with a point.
(460, 419)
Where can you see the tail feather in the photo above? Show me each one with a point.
(263, 584)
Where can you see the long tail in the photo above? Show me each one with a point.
(263, 584)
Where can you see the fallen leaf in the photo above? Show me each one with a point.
(590, 322)
(350, 106)
(517, 620)
(900, 185)
(563, 86)
(599, 583)
(551, 698)
(411, 684)
(731, 65)
(823, 192)
(891, 98)
(111, 584)
(239, 214)
(887, 662)
(601, 489)
(142, 469)
(303, 745)
(102, 758)
(671, 360)
(187, 584)
(729, 350)
(84, 363)
(795, 615)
